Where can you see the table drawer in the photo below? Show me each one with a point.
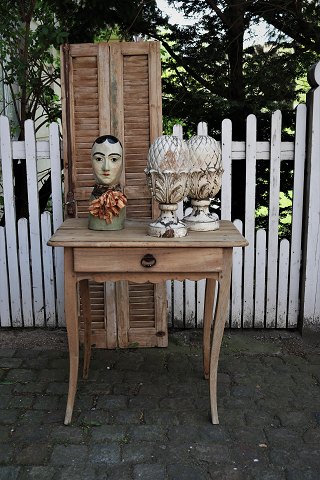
(148, 260)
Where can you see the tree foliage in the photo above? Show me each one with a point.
(29, 66)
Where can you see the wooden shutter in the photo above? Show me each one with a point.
(115, 88)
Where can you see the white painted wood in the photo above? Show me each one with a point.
(311, 273)
(274, 190)
(57, 217)
(10, 229)
(25, 274)
(200, 287)
(263, 151)
(5, 320)
(282, 304)
(260, 279)
(236, 283)
(250, 205)
(226, 150)
(178, 304)
(297, 212)
(49, 290)
(169, 302)
(34, 224)
(178, 287)
(190, 304)
(202, 128)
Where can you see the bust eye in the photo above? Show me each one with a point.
(98, 159)
(113, 160)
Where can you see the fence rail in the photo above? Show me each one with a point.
(266, 276)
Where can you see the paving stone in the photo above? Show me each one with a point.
(211, 453)
(37, 473)
(9, 416)
(6, 454)
(47, 402)
(21, 375)
(312, 436)
(30, 387)
(254, 435)
(93, 418)
(205, 433)
(21, 401)
(147, 433)
(67, 434)
(109, 454)
(76, 473)
(9, 473)
(144, 402)
(10, 362)
(139, 452)
(109, 433)
(7, 352)
(4, 400)
(35, 454)
(185, 472)
(128, 417)
(25, 435)
(228, 472)
(295, 418)
(112, 402)
(263, 473)
(151, 471)
(161, 417)
(69, 455)
(59, 388)
(53, 375)
(302, 474)
(282, 436)
(114, 472)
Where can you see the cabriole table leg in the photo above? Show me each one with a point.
(218, 329)
(207, 323)
(71, 314)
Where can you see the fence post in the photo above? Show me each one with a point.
(310, 294)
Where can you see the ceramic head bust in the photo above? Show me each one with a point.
(106, 160)
(107, 202)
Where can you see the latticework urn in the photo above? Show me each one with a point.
(205, 182)
(167, 174)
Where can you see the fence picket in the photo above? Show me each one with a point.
(57, 217)
(49, 290)
(200, 288)
(178, 287)
(34, 224)
(5, 320)
(282, 306)
(274, 190)
(236, 283)
(226, 149)
(297, 210)
(260, 279)
(25, 274)
(10, 229)
(250, 205)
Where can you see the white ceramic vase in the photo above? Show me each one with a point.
(205, 182)
(167, 174)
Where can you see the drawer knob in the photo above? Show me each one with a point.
(148, 260)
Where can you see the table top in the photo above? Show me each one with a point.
(74, 232)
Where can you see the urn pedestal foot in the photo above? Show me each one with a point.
(167, 224)
(200, 219)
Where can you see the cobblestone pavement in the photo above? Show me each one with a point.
(144, 413)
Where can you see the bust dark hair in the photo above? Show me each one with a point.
(106, 138)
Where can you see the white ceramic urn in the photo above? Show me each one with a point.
(167, 174)
(205, 182)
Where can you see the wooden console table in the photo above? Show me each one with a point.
(132, 255)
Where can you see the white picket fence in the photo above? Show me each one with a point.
(31, 290)
(266, 275)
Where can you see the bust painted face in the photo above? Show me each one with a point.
(106, 159)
